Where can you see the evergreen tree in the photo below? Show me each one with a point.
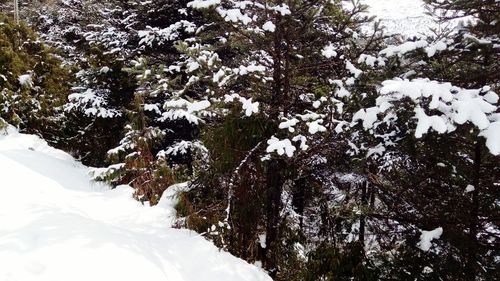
(149, 154)
(435, 148)
(313, 148)
(273, 74)
(33, 83)
(103, 41)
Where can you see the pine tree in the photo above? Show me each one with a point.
(435, 153)
(33, 83)
(156, 148)
(100, 40)
(273, 74)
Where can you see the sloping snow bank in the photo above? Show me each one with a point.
(57, 225)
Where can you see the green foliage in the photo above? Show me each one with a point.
(331, 264)
(236, 184)
(3, 124)
(98, 134)
(33, 104)
(240, 190)
(193, 219)
(233, 138)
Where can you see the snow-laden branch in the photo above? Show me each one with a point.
(439, 107)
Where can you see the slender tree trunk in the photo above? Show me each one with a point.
(274, 177)
(299, 199)
(16, 11)
(277, 73)
(474, 217)
(362, 218)
(274, 190)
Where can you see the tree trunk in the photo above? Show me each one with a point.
(274, 190)
(362, 218)
(299, 199)
(474, 217)
(16, 11)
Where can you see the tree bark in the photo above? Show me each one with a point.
(474, 218)
(274, 190)
(362, 218)
(274, 176)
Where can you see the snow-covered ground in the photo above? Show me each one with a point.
(405, 17)
(56, 225)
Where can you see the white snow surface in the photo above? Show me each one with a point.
(404, 17)
(426, 238)
(57, 225)
(401, 16)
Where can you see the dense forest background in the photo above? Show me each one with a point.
(316, 146)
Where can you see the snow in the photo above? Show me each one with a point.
(376, 151)
(280, 146)
(329, 51)
(368, 116)
(425, 122)
(371, 60)
(269, 26)
(436, 47)
(192, 66)
(249, 107)
(283, 9)
(152, 107)
(243, 70)
(203, 4)
(105, 69)
(25, 80)
(181, 108)
(399, 50)
(469, 188)
(456, 106)
(406, 17)
(492, 135)
(181, 147)
(262, 240)
(315, 127)
(450, 106)
(302, 140)
(490, 96)
(234, 15)
(427, 236)
(159, 35)
(352, 69)
(427, 270)
(289, 124)
(92, 104)
(57, 225)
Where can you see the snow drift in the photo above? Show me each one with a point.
(55, 224)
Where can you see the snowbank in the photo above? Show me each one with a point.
(57, 225)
